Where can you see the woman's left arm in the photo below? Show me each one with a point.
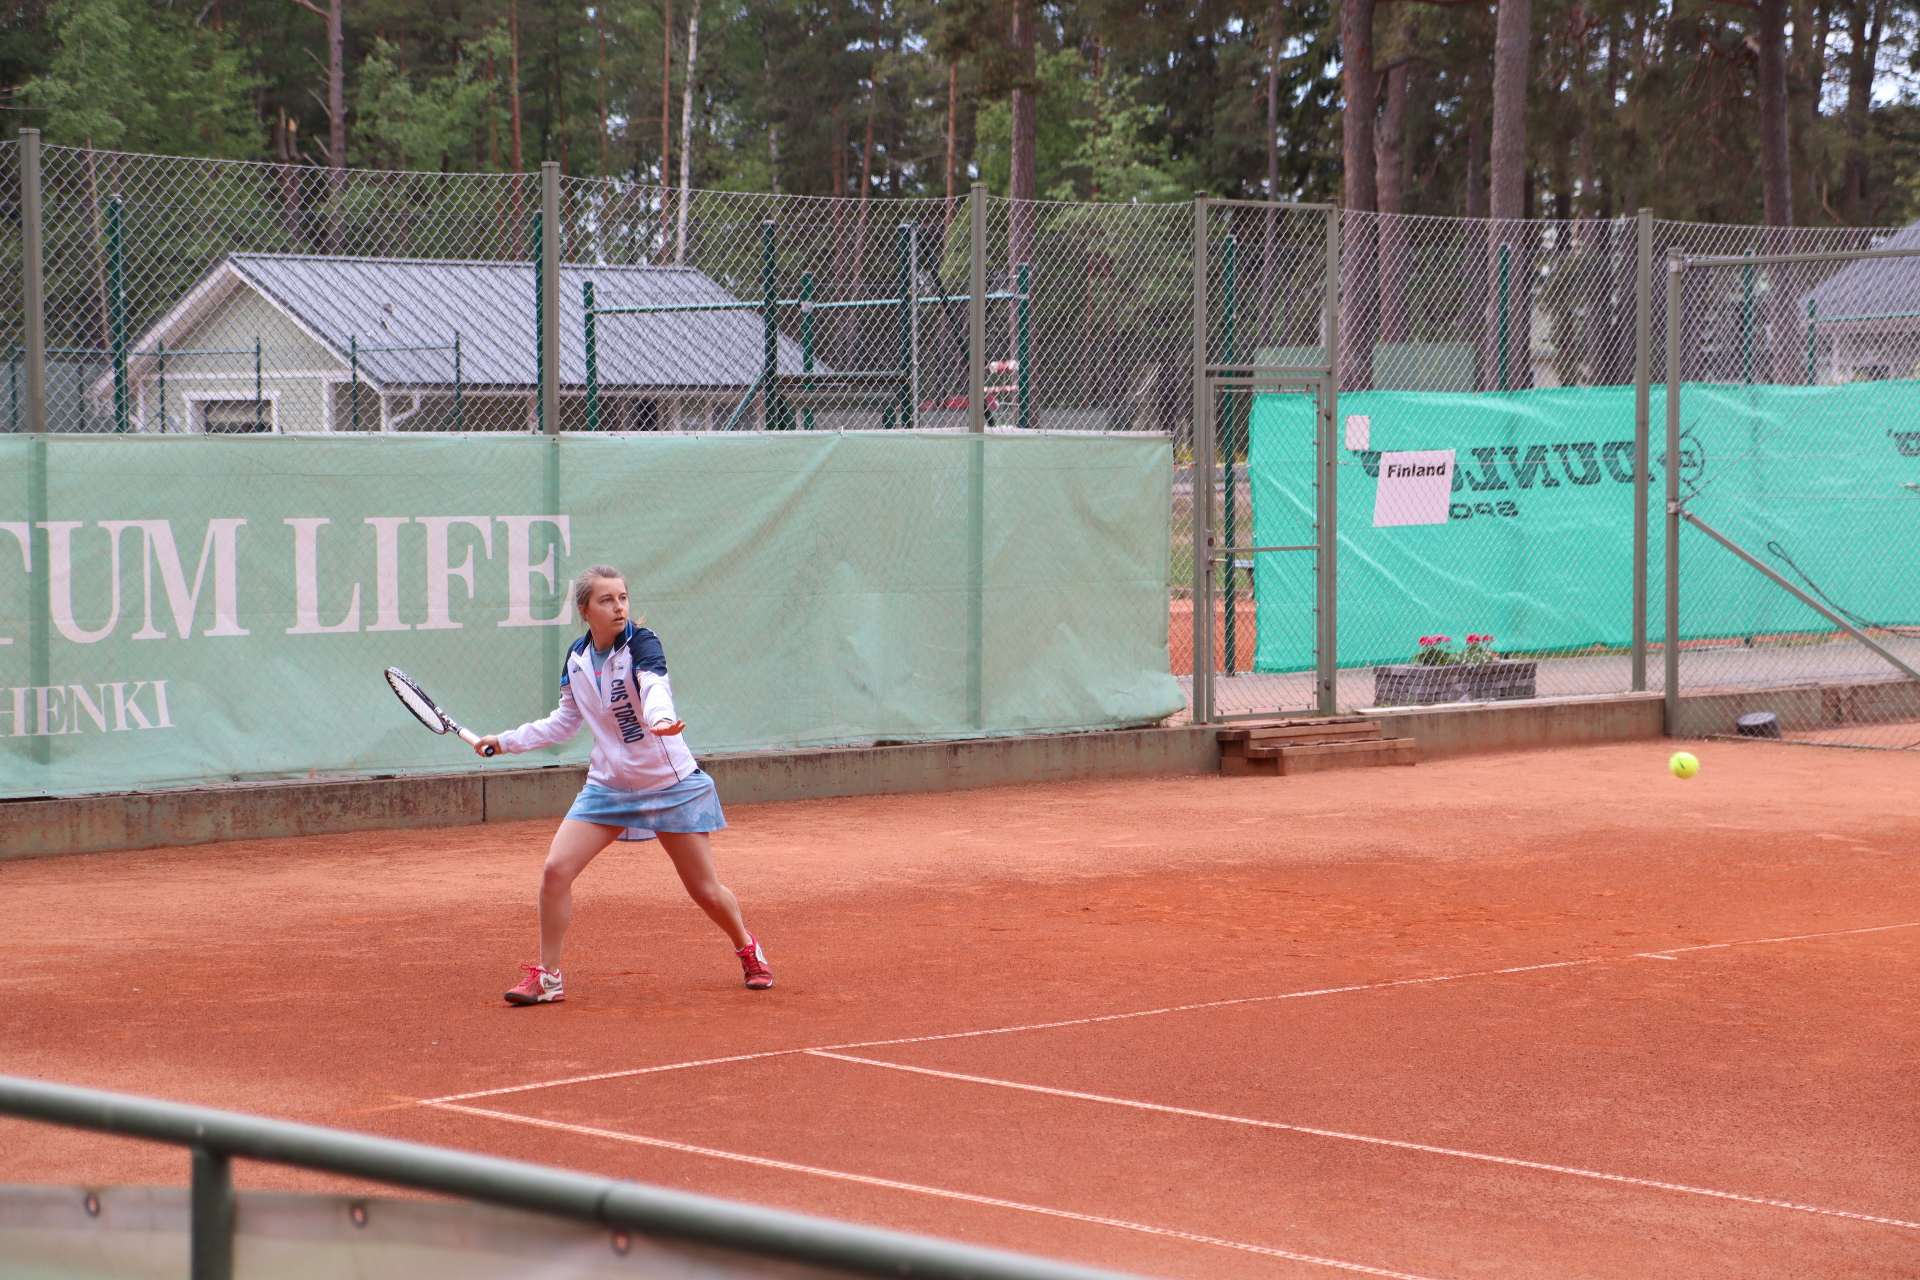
(656, 705)
(650, 676)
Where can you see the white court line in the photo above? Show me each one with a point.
(1798, 937)
(1001, 1031)
(943, 1193)
(1380, 1142)
(1121, 1017)
(617, 1075)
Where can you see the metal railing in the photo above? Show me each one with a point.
(216, 1137)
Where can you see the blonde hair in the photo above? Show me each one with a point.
(583, 585)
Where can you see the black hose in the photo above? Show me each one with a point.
(1779, 552)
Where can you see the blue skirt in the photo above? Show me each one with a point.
(691, 804)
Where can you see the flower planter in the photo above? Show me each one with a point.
(1501, 678)
(1415, 684)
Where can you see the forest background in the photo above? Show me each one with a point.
(1739, 111)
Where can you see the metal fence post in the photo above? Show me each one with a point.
(1024, 344)
(1813, 312)
(903, 329)
(1327, 580)
(593, 357)
(212, 1216)
(1676, 287)
(1202, 501)
(550, 296)
(459, 401)
(1226, 441)
(1506, 259)
(259, 412)
(806, 347)
(913, 324)
(1642, 443)
(772, 406)
(40, 592)
(1746, 323)
(33, 244)
(976, 456)
(977, 310)
(353, 378)
(540, 320)
(117, 311)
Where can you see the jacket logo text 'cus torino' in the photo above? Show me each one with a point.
(625, 715)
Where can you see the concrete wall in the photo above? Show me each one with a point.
(139, 820)
(1525, 726)
(1805, 707)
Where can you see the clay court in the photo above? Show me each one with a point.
(1551, 1015)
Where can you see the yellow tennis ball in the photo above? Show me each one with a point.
(1683, 764)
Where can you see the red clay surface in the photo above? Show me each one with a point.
(344, 980)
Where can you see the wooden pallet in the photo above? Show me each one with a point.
(1287, 747)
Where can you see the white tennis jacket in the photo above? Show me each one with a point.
(627, 754)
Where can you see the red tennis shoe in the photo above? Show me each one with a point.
(540, 986)
(754, 961)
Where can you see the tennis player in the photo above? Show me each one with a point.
(642, 781)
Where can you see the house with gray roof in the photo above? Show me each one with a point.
(298, 343)
(1863, 321)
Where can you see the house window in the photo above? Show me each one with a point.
(236, 417)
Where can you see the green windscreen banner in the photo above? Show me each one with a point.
(1537, 549)
(178, 611)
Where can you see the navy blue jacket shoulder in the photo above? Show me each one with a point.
(645, 647)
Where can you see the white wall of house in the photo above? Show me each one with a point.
(208, 381)
(215, 376)
(1869, 353)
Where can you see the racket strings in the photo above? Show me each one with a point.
(416, 700)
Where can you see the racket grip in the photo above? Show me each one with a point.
(472, 739)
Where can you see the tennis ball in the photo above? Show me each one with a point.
(1683, 765)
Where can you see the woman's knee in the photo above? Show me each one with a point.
(557, 876)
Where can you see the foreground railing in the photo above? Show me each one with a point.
(216, 1137)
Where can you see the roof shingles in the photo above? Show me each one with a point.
(396, 302)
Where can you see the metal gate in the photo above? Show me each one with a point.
(1265, 333)
(1793, 387)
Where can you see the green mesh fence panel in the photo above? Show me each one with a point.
(1539, 547)
(178, 612)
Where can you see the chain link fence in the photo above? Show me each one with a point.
(1517, 344)
(215, 297)
(946, 545)
(190, 296)
(1793, 613)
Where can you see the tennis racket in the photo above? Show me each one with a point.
(415, 699)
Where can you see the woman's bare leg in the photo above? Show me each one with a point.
(692, 854)
(575, 844)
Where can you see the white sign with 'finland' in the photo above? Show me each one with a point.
(1414, 488)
